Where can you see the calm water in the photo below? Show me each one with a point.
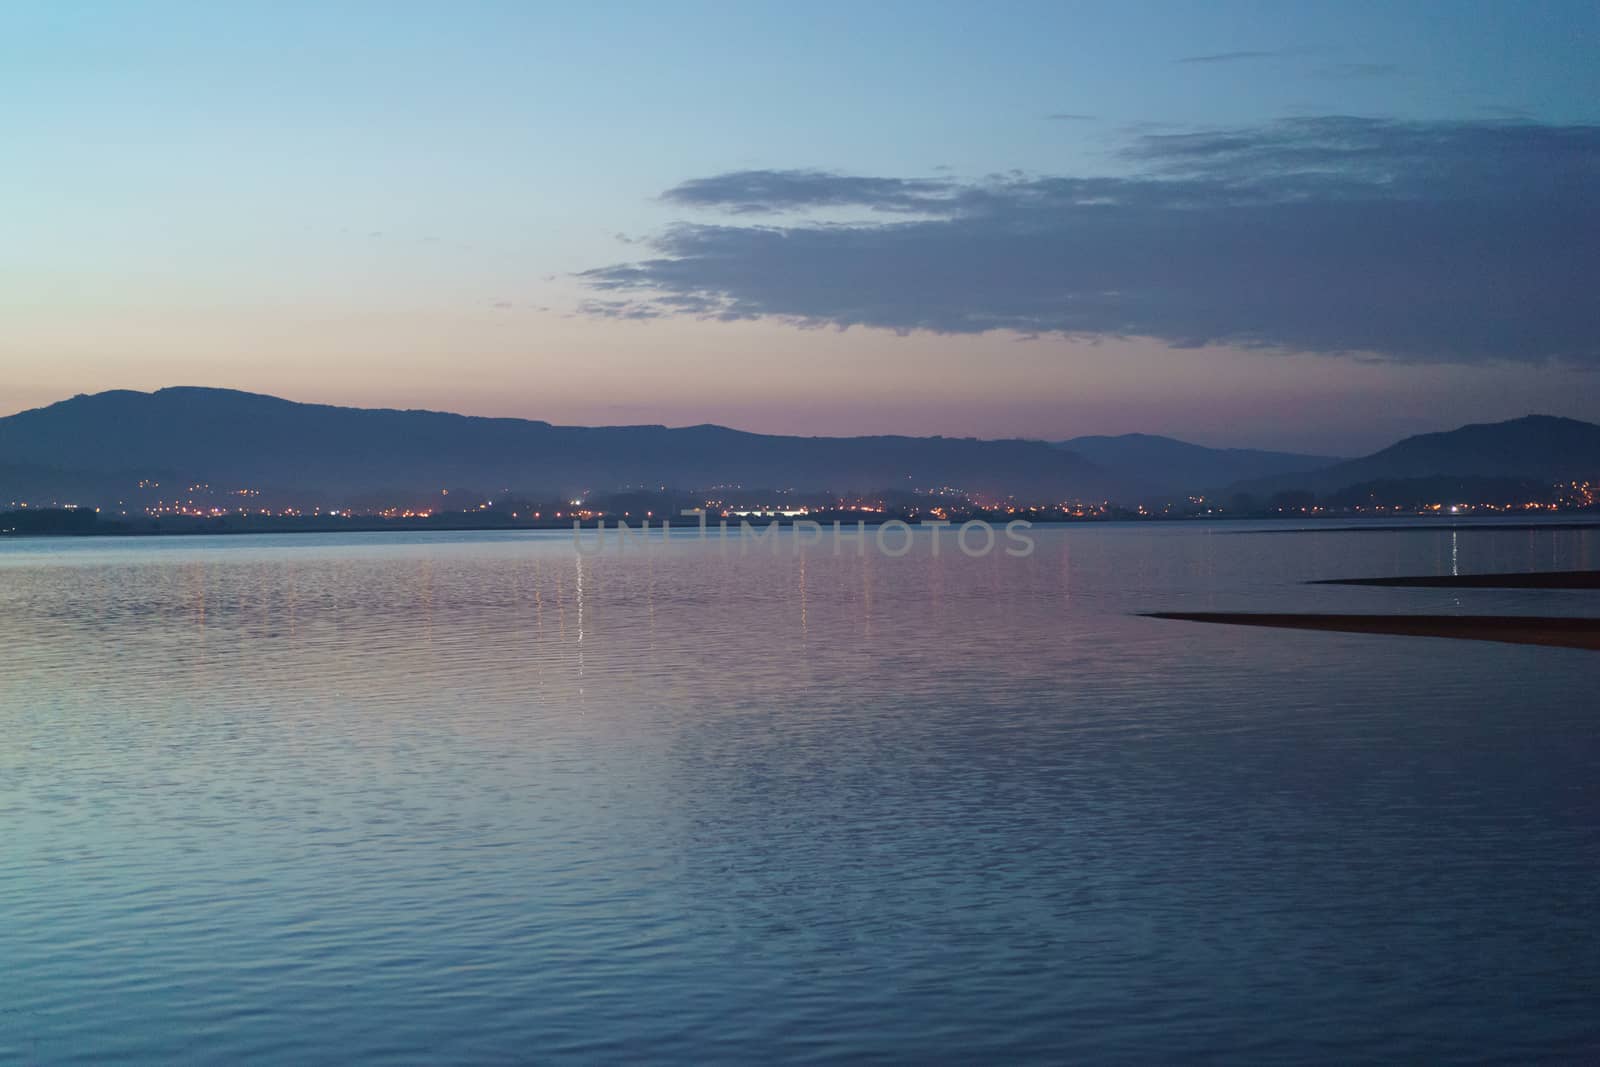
(391, 798)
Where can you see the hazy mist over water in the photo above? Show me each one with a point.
(477, 798)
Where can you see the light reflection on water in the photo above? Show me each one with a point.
(341, 798)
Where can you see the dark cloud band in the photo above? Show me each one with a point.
(1427, 241)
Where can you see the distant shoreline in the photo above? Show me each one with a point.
(112, 528)
(1423, 523)
(1554, 632)
(1519, 580)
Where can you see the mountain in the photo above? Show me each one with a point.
(42, 484)
(1166, 466)
(1539, 448)
(237, 440)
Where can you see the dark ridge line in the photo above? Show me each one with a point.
(1528, 580)
(1422, 527)
(1557, 632)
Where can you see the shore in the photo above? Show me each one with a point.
(1529, 580)
(89, 524)
(1556, 632)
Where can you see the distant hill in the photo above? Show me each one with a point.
(237, 439)
(1537, 448)
(1421, 492)
(46, 485)
(1164, 465)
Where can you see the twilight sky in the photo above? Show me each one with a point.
(1317, 227)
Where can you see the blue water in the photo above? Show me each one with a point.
(477, 798)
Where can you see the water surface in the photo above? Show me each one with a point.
(404, 798)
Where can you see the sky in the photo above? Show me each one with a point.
(1316, 227)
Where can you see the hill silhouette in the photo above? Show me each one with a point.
(1167, 466)
(92, 444)
(233, 438)
(1539, 448)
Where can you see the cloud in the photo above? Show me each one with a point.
(621, 309)
(772, 191)
(1232, 57)
(1441, 241)
(1505, 111)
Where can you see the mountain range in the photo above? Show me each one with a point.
(246, 439)
(91, 443)
(1158, 466)
(1541, 448)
